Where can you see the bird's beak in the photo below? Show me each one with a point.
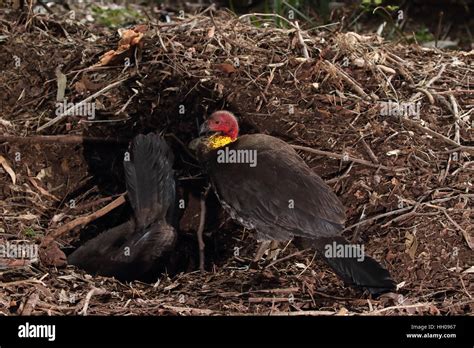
(204, 128)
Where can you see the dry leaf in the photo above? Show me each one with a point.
(8, 168)
(141, 28)
(225, 68)
(411, 244)
(129, 39)
(106, 58)
(211, 32)
(80, 87)
(51, 255)
(45, 173)
(300, 265)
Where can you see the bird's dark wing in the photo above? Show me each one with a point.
(281, 196)
(124, 252)
(149, 178)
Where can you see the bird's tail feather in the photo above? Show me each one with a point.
(149, 178)
(355, 269)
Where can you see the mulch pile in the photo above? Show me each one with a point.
(388, 126)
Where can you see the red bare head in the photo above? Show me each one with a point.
(223, 122)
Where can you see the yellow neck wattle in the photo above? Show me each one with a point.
(216, 141)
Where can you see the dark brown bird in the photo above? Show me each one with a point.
(266, 186)
(136, 248)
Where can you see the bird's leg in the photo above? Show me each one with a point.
(200, 231)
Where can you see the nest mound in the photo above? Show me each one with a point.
(387, 125)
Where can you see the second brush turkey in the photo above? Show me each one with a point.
(139, 247)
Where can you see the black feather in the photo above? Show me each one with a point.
(149, 178)
(366, 272)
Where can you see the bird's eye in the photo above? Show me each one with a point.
(217, 122)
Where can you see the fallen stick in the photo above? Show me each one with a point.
(299, 252)
(415, 124)
(348, 158)
(457, 136)
(94, 291)
(465, 234)
(76, 106)
(349, 80)
(377, 217)
(268, 299)
(402, 210)
(192, 311)
(60, 139)
(301, 41)
(276, 291)
(200, 231)
(83, 220)
(418, 305)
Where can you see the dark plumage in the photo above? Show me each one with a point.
(137, 247)
(281, 197)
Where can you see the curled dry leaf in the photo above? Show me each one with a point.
(8, 169)
(129, 38)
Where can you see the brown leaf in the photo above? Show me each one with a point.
(411, 244)
(141, 28)
(225, 68)
(80, 87)
(107, 57)
(51, 255)
(129, 39)
(8, 168)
